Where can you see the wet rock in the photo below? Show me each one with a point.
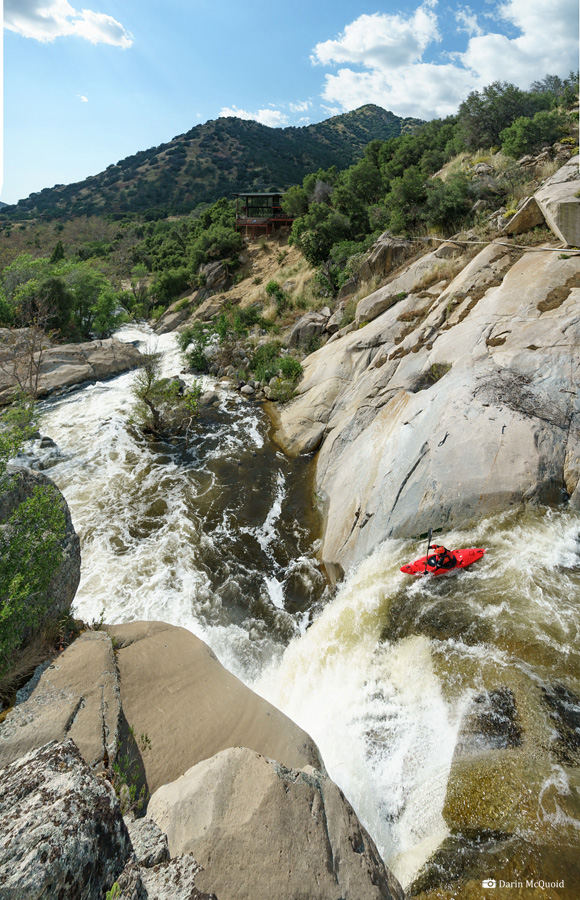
(264, 831)
(208, 398)
(174, 690)
(76, 697)
(46, 442)
(247, 390)
(61, 830)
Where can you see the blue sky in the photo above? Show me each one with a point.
(85, 87)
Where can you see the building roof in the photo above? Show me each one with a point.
(258, 193)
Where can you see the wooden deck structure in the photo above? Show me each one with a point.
(260, 213)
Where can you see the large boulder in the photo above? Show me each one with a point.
(527, 216)
(559, 201)
(174, 690)
(18, 486)
(217, 277)
(71, 364)
(386, 254)
(77, 697)
(176, 314)
(265, 832)
(61, 830)
(486, 371)
(308, 327)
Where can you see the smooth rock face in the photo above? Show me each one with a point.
(174, 690)
(265, 832)
(406, 281)
(77, 697)
(61, 830)
(19, 486)
(70, 364)
(453, 407)
(560, 204)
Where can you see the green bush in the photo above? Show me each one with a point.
(526, 135)
(192, 342)
(161, 408)
(30, 552)
(265, 361)
(290, 368)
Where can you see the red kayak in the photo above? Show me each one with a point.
(463, 559)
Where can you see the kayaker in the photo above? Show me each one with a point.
(442, 558)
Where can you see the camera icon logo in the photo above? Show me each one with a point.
(489, 883)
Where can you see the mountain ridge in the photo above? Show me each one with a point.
(216, 159)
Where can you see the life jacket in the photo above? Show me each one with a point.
(445, 561)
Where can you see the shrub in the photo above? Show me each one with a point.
(291, 368)
(30, 552)
(162, 407)
(265, 361)
(275, 292)
(526, 135)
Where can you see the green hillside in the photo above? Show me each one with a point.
(215, 160)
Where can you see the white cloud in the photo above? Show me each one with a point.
(45, 20)
(381, 56)
(300, 107)
(274, 118)
(82, 98)
(382, 40)
(467, 21)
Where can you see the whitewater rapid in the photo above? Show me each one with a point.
(221, 538)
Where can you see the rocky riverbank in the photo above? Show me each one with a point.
(25, 365)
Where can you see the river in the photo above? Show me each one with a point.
(400, 682)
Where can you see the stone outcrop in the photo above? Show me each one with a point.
(174, 690)
(61, 830)
(559, 202)
(527, 216)
(266, 832)
(19, 486)
(62, 835)
(308, 327)
(76, 698)
(386, 255)
(175, 315)
(488, 368)
(70, 364)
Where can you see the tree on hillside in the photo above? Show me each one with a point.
(484, 114)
